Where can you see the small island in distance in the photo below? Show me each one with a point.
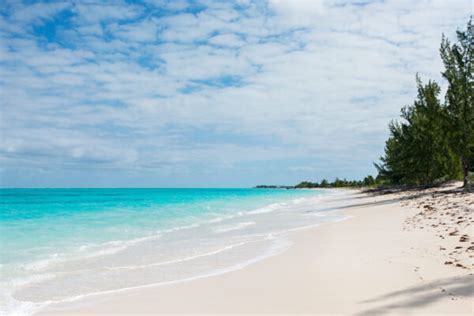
(368, 181)
(265, 186)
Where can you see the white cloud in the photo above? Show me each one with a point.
(37, 12)
(298, 12)
(105, 11)
(310, 84)
(230, 40)
(144, 31)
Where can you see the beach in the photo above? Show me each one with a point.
(385, 257)
(236, 157)
(66, 245)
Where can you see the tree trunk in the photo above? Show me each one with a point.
(465, 183)
(465, 168)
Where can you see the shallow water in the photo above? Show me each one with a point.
(63, 244)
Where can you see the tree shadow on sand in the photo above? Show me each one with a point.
(419, 296)
(367, 204)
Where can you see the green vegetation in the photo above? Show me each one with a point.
(434, 141)
(338, 183)
(265, 186)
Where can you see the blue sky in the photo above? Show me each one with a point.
(208, 93)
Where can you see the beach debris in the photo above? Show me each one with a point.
(445, 213)
(428, 207)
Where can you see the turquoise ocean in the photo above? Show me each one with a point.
(59, 245)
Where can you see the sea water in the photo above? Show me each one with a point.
(60, 245)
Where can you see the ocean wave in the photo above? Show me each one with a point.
(170, 230)
(218, 223)
(189, 258)
(277, 246)
(220, 219)
(41, 264)
(85, 252)
(266, 209)
(27, 280)
(238, 226)
(11, 306)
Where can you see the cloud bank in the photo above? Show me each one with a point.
(208, 93)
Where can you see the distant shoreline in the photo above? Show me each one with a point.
(264, 186)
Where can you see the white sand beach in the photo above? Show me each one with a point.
(236, 157)
(387, 258)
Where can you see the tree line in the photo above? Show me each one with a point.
(434, 140)
(337, 183)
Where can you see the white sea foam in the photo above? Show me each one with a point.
(237, 226)
(13, 307)
(220, 219)
(201, 255)
(181, 228)
(277, 247)
(42, 264)
(18, 282)
(86, 251)
(266, 209)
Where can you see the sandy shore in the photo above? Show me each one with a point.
(378, 261)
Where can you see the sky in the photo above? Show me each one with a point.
(208, 93)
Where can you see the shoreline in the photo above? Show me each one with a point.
(366, 263)
(175, 241)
